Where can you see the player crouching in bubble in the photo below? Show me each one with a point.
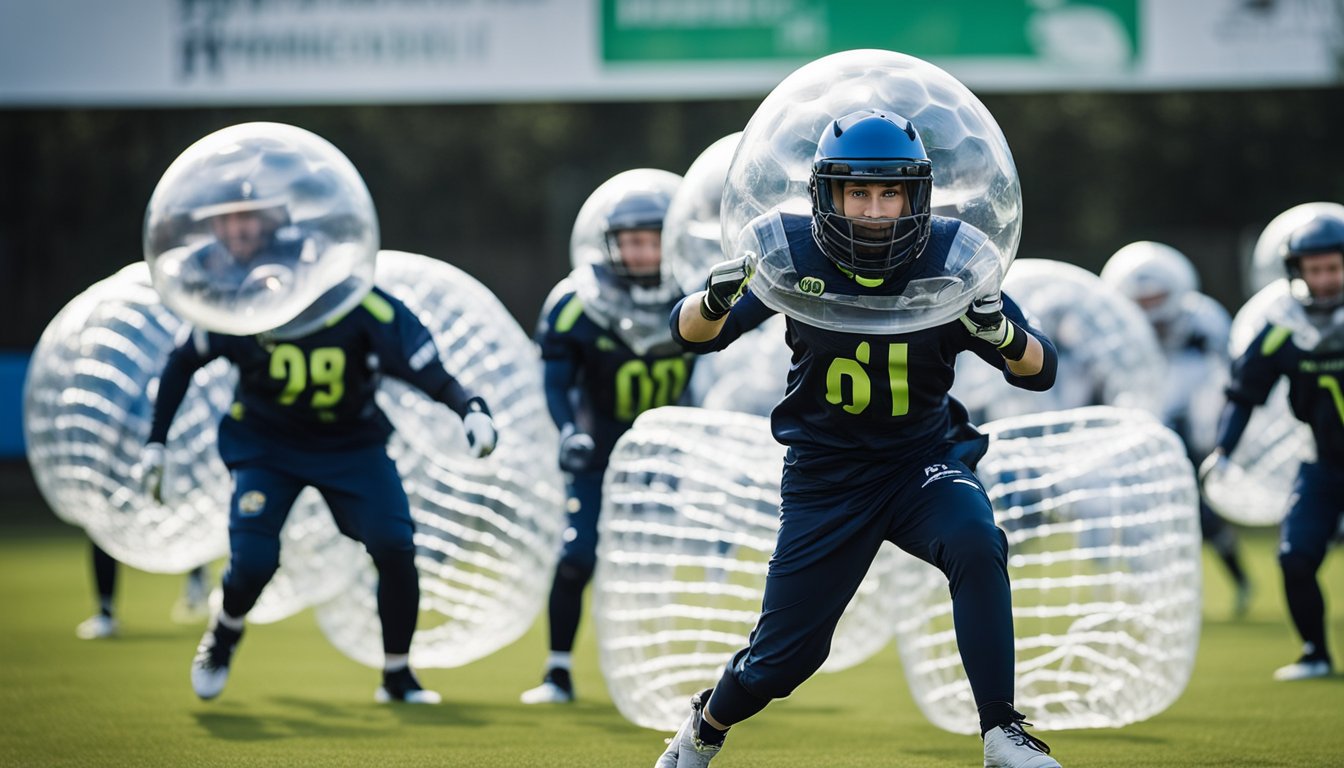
(310, 345)
(868, 460)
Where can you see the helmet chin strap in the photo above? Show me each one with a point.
(866, 282)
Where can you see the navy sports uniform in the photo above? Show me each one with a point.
(1316, 396)
(304, 415)
(595, 384)
(877, 450)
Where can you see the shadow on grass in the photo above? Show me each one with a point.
(244, 726)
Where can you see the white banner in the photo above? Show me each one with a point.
(184, 52)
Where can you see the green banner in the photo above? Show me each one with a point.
(693, 30)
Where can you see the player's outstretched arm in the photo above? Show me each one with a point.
(173, 384)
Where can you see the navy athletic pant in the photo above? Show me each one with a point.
(369, 504)
(831, 526)
(1313, 518)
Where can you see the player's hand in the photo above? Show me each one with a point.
(984, 319)
(1215, 467)
(150, 471)
(726, 283)
(480, 428)
(576, 449)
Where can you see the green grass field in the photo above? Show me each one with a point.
(293, 700)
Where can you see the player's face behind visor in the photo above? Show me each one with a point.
(1314, 254)
(640, 255)
(1324, 275)
(873, 209)
(246, 233)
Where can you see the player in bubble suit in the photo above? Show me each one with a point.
(596, 384)
(304, 415)
(189, 608)
(876, 448)
(1314, 260)
(1193, 331)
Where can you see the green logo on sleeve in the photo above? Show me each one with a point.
(812, 286)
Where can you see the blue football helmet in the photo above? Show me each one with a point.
(870, 146)
(638, 210)
(1323, 233)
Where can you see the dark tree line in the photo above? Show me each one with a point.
(494, 188)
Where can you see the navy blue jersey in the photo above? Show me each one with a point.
(316, 392)
(594, 381)
(1315, 385)
(866, 397)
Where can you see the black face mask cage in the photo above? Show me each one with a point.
(871, 248)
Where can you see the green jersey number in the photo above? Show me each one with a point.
(325, 367)
(1331, 384)
(640, 387)
(855, 370)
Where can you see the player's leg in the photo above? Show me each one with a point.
(370, 505)
(826, 543)
(1312, 520)
(945, 519)
(261, 502)
(1222, 536)
(578, 558)
(103, 623)
(193, 605)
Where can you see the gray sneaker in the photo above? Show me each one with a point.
(685, 749)
(1010, 746)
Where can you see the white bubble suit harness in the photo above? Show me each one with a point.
(1255, 489)
(690, 513)
(1100, 509)
(487, 530)
(87, 411)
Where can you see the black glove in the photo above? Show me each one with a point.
(726, 283)
(576, 449)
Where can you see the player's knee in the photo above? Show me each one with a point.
(977, 543)
(251, 569)
(1297, 564)
(778, 682)
(575, 567)
(392, 544)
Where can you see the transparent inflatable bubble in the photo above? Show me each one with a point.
(87, 413)
(1267, 258)
(1255, 489)
(683, 546)
(261, 227)
(635, 310)
(749, 375)
(487, 530)
(1108, 353)
(1101, 513)
(693, 233)
(974, 180)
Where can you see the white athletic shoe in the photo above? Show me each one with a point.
(210, 667)
(685, 749)
(402, 686)
(547, 693)
(1303, 669)
(1009, 746)
(96, 627)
